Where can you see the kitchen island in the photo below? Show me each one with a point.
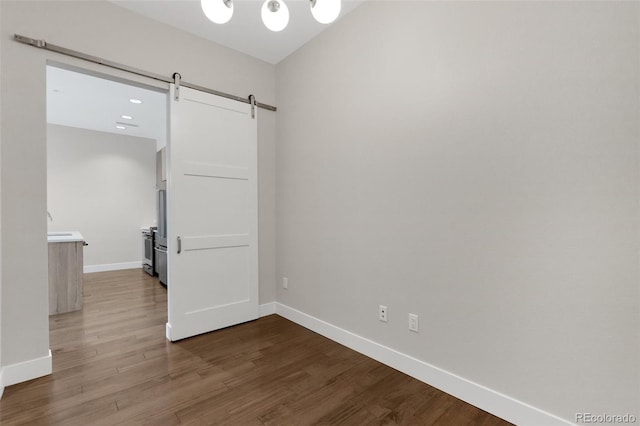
(65, 271)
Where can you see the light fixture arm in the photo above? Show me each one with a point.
(228, 3)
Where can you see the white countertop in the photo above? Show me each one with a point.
(64, 236)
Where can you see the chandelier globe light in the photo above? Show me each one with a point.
(274, 13)
(325, 11)
(217, 11)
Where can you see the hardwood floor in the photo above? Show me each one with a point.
(112, 365)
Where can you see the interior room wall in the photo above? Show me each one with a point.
(1, 369)
(475, 163)
(103, 185)
(89, 27)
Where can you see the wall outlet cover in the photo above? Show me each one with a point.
(382, 313)
(413, 322)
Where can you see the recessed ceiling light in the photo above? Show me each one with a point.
(127, 117)
(135, 101)
(120, 127)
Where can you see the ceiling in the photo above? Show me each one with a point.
(80, 100)
(245, 32)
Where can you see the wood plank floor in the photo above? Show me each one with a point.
(112, 365)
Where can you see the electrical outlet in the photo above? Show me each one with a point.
(382, 313)
(413, 322)
(285, 283)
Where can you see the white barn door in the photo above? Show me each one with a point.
(212, 214)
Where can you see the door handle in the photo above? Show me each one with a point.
(179, 245)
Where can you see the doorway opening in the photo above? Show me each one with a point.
(104, 139)
(211, 204)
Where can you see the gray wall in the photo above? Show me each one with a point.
(1, 327)
(103, 185)
(475, 163)
(102, 29)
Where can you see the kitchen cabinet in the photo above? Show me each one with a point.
(65, 276)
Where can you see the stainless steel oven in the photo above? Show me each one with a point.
(147, 251)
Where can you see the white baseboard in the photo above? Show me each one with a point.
(26, 370)
(112, 267)
(501, 405)
(267, 309)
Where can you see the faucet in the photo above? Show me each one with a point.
(50, 217)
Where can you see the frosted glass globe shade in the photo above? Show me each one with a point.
(217, 10)
(325, 11)
(275, 15)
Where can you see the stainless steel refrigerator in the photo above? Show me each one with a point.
(160, 249)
